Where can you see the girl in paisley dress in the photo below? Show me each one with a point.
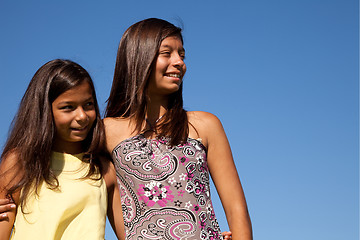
(163, 155)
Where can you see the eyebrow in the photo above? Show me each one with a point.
(86, 100)
(168, 46)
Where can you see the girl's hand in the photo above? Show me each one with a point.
(226, 235)
(6, 205)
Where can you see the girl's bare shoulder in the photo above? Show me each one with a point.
(114, 122)
(202, 119)
(116, 130)
(116, 125)
(203, 125)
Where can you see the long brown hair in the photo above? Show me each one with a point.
(137, 52)
(33, 131)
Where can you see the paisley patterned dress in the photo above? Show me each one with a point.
(165, 190)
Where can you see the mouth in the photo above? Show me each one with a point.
(175, 75)
(79, 129)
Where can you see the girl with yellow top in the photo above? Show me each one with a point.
(51, 166)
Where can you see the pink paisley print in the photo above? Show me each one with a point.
(165, 190)
(154, 192)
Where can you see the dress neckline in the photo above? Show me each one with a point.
(162, 139)
(67, 156)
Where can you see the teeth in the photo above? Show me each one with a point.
(174, 75)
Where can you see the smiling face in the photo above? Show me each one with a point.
(74, 114)
(169, 68)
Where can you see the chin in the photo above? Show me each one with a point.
(172, 90)
(78, 139)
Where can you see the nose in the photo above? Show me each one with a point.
(81, 115)
(178, 61)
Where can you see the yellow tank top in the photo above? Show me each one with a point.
(77, 210)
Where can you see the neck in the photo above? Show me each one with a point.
(70, 148)
(156, 108)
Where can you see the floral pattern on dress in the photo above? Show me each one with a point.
(154, 192)
(164, 189)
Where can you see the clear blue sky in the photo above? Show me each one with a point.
(282, 76)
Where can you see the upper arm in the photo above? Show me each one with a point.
(220, 160)
(224, 174)
(221, 165)
(9, 174)
(219, 156)
(114, 211)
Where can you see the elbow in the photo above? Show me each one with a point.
(240, 223)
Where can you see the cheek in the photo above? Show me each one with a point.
(61, 127)
(92, 117)
(161, 65)
(184, 69)
(59, 122)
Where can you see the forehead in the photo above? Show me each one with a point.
(172, 41)
(79, 92)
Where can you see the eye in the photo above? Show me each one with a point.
(165, 53)
(67, 107)
(89, 105)
(181, 53)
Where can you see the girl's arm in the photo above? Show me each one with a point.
(9, 174)
(114, 211)
(224, 174)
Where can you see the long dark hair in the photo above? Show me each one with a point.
(33, 131)
(137, 52)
